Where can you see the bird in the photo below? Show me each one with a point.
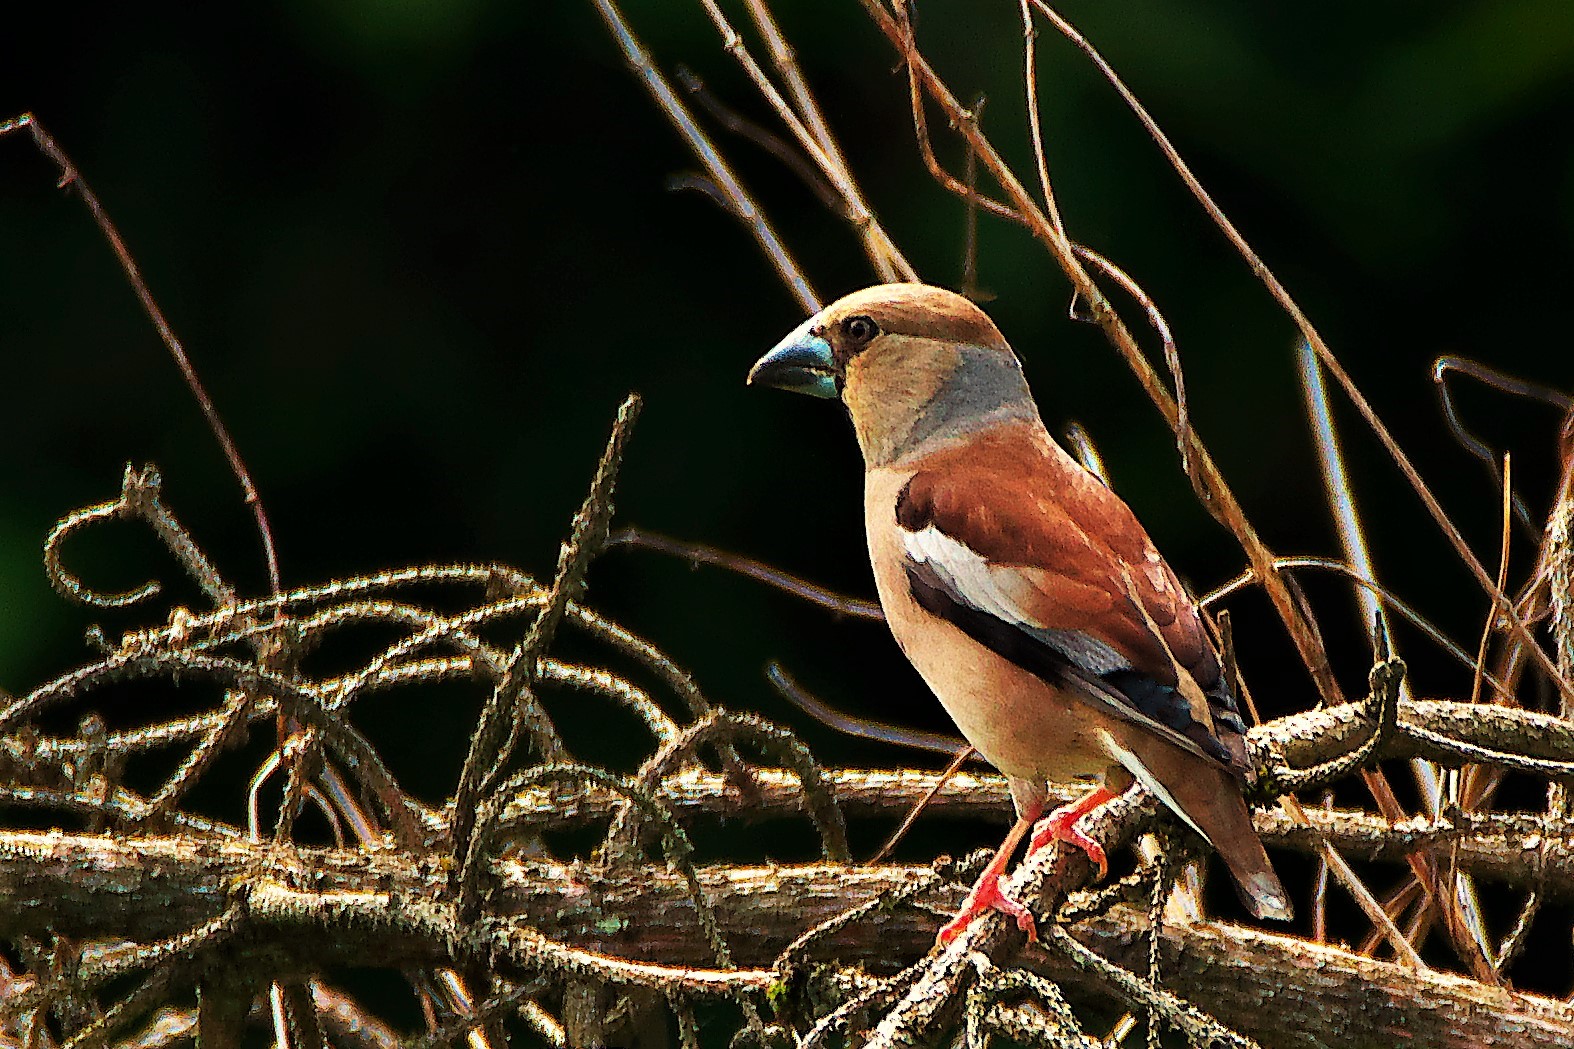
(1022, 589)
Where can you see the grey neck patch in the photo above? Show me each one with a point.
(986, 389)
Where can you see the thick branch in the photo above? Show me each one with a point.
(1298, 741)
(862, 793)
(1525, 852)
(1295, 994)
(1521, 851)
(355, 908)
(1317, 736)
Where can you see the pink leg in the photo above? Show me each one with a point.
(1061, 825)
(988, 895)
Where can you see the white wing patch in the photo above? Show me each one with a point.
(964, 571)
(967, 578)
(973, 581)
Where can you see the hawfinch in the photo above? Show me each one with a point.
(1021, 588)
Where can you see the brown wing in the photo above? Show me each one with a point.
(1033, 556)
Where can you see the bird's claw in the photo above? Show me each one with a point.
(1061, 825)
(988, 895)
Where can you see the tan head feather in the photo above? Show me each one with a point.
(919, 365)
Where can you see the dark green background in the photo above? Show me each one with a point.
(420, 251)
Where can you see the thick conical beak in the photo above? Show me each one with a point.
(802, 363)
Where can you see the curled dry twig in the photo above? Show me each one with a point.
(70, 176)
(198, 649)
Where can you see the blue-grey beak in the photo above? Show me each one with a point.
(802, 363)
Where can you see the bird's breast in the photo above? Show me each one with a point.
(1025, 726)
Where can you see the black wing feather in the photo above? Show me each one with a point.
(1069, 658)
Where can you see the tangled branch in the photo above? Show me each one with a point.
(537, 899)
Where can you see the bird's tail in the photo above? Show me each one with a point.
(1255, 881)
(1212, 802)
(1208, 797)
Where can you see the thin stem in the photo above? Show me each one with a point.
(1286, 302)
(70, 175)
(716, 168)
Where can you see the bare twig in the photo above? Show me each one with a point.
(888, 261)
(513, 704)
(140, 497)
(70, 176)
(717, 169)
(1325, 356)
(1442, 368)
(860, 728)
(701, 553)
(921, 804)
(1393, 601)
(766, 140)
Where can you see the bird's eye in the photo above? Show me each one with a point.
(860, 329)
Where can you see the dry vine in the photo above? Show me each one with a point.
(136, 917)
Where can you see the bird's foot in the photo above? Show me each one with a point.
(988, 895)
(1061, 825)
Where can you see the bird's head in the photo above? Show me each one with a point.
(914, 364)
